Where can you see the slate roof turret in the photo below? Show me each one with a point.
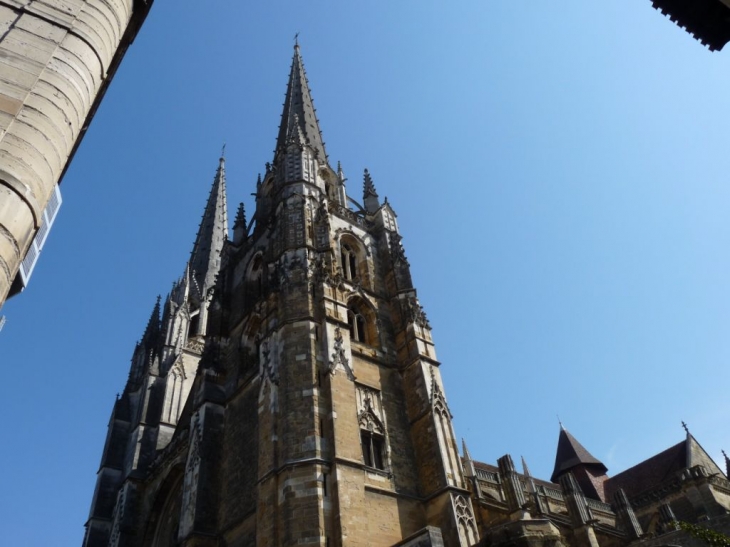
(571, 454)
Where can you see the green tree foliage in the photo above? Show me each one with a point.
(711, 537)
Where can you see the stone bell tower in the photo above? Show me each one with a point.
(352, 439)
(317, 414)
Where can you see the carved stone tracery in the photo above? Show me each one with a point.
(438, 399)
(339, 356)
(415, 314)
(370, 410)
(466, 522)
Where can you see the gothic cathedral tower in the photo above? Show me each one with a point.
(291, 393)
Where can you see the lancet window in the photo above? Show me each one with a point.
(445, 435)
(348, 259)
(356, 321)
(175, 380)
(467, 525)
(372, 428)
(361, 321)
(372, 449)
(194, 325)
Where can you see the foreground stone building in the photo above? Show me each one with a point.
(57, 58)
(287, 392)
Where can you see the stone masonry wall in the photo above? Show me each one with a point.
(54, 61)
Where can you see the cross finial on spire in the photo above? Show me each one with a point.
(223, 151)
(299, 115)
(684, 425)
(296, 40)
(212, 233)
(559, 422)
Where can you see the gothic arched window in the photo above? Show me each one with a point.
(194, 325)
(256, 278)
(348, 259)
(361, 322)
(372, 449)
(372, 428)
(357, 325)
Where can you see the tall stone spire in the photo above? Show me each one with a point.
(213, 232)
(299, 119)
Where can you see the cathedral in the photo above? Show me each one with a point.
(287, 392)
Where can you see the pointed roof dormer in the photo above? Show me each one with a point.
(212, 234)
(298, 120)
(572, 454)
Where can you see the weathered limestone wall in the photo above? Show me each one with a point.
(56, 59)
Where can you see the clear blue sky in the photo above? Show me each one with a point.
(560, 173)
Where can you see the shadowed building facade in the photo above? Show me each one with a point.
(707, 20)
(57, 58)
(287, 392)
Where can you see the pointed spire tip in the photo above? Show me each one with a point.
(465, 450)
(298, 108)
(525, 469)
